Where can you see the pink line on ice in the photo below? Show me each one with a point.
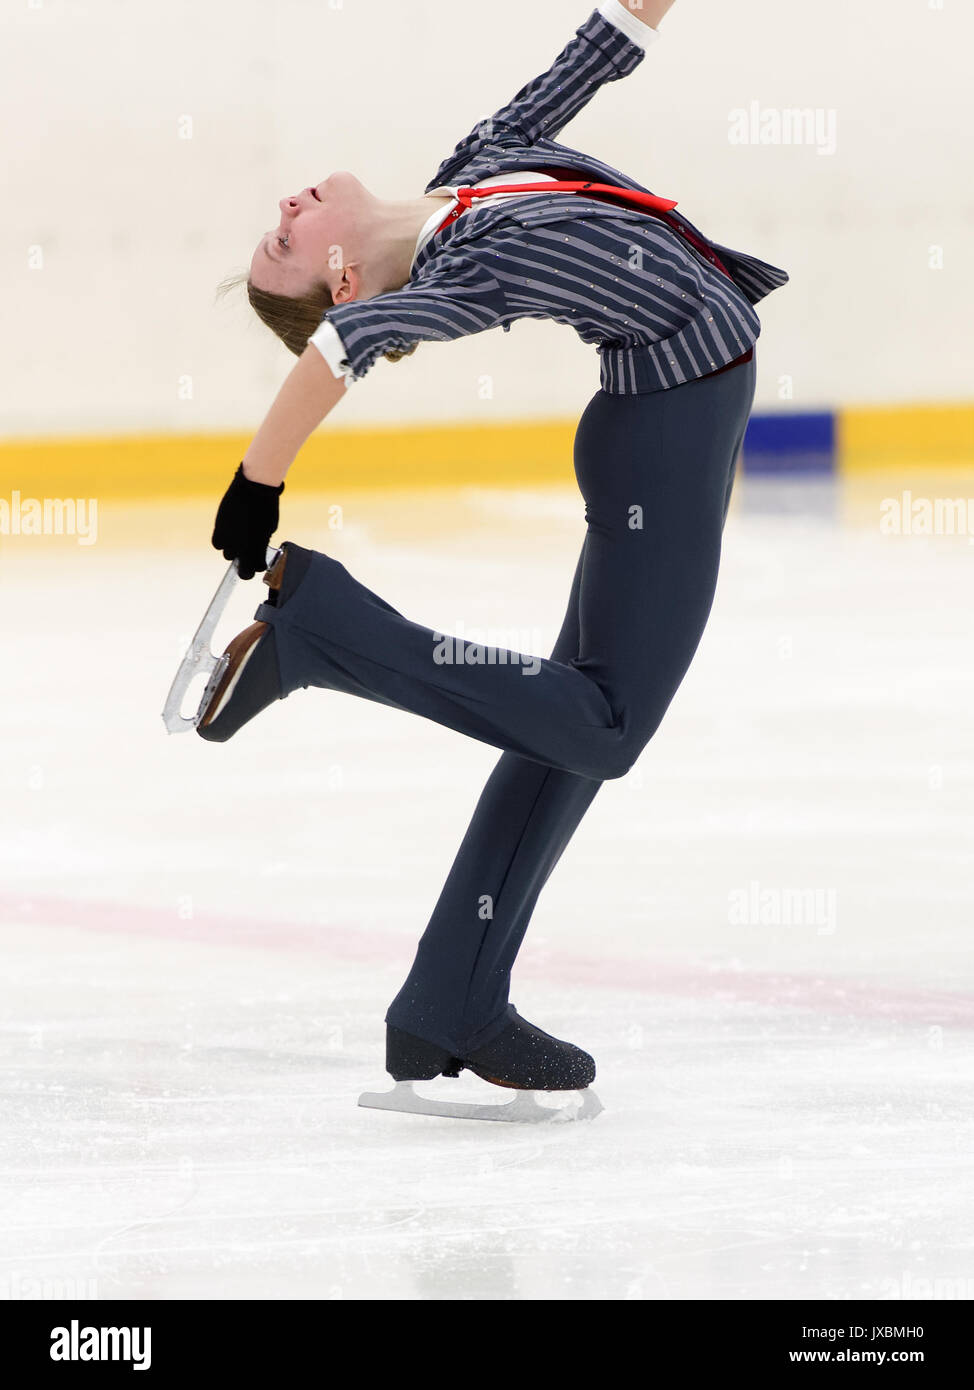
(649, 974)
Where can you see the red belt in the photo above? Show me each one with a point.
(646, 202)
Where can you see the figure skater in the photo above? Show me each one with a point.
(512, 225)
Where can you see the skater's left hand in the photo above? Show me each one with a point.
(245, 521)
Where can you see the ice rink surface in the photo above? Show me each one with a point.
(200, 941)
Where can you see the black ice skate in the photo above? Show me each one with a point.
(522, 1057)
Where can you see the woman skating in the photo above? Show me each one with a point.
(671, 315)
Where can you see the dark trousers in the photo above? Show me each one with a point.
(656, 473)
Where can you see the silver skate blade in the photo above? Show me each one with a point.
(199, 660)
(523, 1109)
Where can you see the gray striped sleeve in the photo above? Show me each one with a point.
(599, 53)
(457, 297)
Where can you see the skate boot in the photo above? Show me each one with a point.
(522, 1056)
(249, 681)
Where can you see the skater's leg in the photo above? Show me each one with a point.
(656, 473)
(335, 633)
(456, 993)
(735, 454)
(663, 565)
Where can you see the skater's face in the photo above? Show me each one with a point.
(316, 239)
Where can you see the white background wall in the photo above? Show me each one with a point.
(137, 226)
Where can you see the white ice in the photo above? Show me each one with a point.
(199, 942)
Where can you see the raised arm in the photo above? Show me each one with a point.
(609, 45)
(605, 48)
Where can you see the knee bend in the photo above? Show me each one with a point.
(621, 755)
(618, 767)
(619, 759)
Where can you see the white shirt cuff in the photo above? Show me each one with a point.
(329, 344)
(623, 18)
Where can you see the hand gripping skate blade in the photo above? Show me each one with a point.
(523, 1109)
(199, 659)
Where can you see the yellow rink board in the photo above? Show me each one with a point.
(869, 440)
(505, 455)
(873, 439)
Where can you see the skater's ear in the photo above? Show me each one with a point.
(349, 284)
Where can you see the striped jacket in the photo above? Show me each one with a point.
(657, 311)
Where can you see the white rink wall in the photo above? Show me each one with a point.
(117, 227)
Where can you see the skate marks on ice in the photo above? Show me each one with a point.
(525, 1108)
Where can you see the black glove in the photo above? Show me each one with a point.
(245, 521)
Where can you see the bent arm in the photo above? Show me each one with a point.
(309, 393)
(454, 297)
